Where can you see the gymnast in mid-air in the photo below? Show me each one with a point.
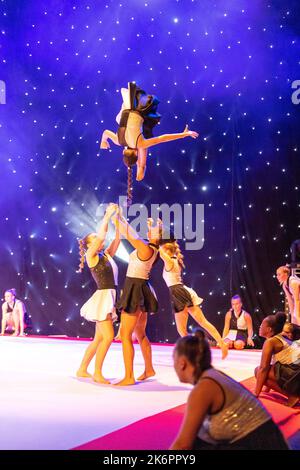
(136, 120)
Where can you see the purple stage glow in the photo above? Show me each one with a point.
(225, 68)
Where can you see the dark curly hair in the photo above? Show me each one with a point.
(196, 349)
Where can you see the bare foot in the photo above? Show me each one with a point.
(224, 349)
(125, 382)
(84, 373)
(292, 401)
(266, 389)
(15, 333)
(117, 338)
(146, 375)
(140, 173)
(100, 379)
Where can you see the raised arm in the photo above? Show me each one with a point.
(166, 259)
(113, 247)
(145, 143)
(249, 329)
(199, 402)
(98, 242)
(144, 250)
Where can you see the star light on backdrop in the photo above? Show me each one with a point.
(225, 68)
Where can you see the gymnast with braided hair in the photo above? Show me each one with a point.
(220, 414)
(100, 308)
(184, 300)
(136, 120)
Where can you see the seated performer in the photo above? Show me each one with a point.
(280, 361)
(136, 120)
(291, 331)
(184, 300)
(13, 313)
(217, 415)
(291, 288)
(238, 329)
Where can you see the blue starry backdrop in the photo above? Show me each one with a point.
(225, 68)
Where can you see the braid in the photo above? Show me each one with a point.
(129, 158)
(179, 255)
(129, 186)
(82, 250)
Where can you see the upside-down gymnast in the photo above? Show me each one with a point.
(136, 120)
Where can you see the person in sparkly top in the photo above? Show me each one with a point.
(220, 414)
(100, 308)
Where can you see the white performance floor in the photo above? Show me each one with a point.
(44, 406)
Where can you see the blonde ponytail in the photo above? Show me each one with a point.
(179, 254)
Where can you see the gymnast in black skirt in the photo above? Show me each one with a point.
(138, 297)
(184, 300)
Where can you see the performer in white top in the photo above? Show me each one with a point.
(184, 300)
(138, 297)
(238, 328)
(13, 313)
(291, 288)
(136, 120)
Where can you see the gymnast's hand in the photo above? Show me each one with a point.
(111, 209)
(189, 133)
(104, 145)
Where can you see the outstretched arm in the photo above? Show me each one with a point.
(199, 402)
(108, 135)
(145, 143)
(265, 364)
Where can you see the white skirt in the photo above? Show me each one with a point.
(194, 296)
(100, 305)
